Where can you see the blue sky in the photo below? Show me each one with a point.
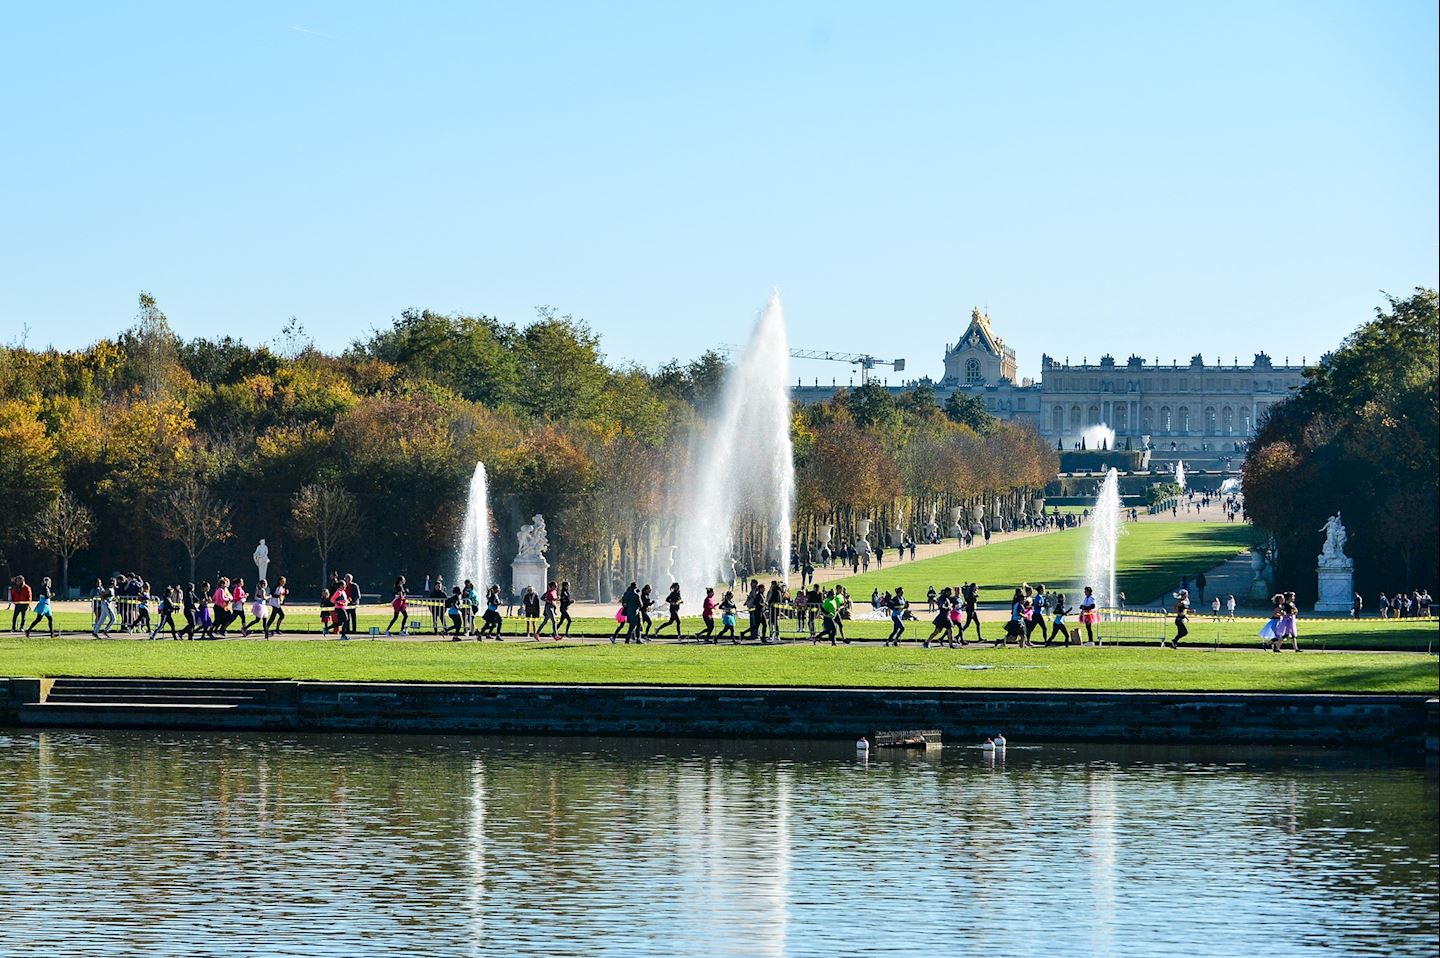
(1155, 177)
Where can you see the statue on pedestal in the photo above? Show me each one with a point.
(1335, 571)
(529, 568)
(262, 560)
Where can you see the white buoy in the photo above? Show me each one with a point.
(862, 744)
(1000, 740)
(989, 746)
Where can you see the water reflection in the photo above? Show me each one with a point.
(186, 844)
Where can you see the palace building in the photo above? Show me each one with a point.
(1197, 410)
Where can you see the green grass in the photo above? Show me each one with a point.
(1411, 635)
(1152, 557)
(796, 665)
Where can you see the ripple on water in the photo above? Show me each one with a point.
(179, 844)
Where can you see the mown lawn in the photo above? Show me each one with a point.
(793, 665)
(1152, 556)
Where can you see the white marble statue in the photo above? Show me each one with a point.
(1335, 571)
(262, 559)
(1333, 552)
(533, 541)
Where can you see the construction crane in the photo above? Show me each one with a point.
(865, 361)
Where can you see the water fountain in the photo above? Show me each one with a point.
(1098, 437)
(1180, 474)
(743, 465)
(1105, 531)
(474, 559)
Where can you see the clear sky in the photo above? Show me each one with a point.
(1156, 177)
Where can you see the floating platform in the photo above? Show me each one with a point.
(910, 738)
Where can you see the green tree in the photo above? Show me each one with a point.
(871, 404)
(1362, 436)
(970, 411)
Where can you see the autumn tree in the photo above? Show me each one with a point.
(325, 513)
(62, 529)
(193, 516)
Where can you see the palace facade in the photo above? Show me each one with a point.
(1204, 409)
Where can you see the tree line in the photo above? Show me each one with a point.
(1361, 437)
(174, 456)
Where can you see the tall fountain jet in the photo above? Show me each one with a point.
(1105, 530)
(474, 559)
(1180, 474)
(742, 467)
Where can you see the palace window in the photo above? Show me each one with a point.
(972, 372)
(1075, 418)
(1184, 418)
(1147, 420)
(1094, 416)
(1209, 420)
(1057, 420)
(1165, 422)
(1227, 421)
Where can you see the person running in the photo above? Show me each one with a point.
(530, 605)
(277, 607)
(971, 597)
(454, 613)
(166, 620)
(755, 604)
(673, 601)
(897, 606)
(1057, 621)
(1088, 615)
(20, 598)
(237, 605)
(707, 616)
(1181, 611)
(550, 602)
(727, 619)
(260, 607)
(105, 617)
(1289, 613)
(647, 602)
(1015, 625)
(622, 623)
(490, 620)
(940, 604)
(830, 615)
(187, 609)
(43, 596)
(206, 612)
(398, 607)
(566, 601)
(1038, 607)
(630, 609)
(339, 604)
(141, 620)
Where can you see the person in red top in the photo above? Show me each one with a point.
(340, 600)
(398, 606)
(20, 597)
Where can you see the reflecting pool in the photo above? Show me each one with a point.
(184, 844)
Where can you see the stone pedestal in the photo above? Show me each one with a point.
(897, 537)
(1336, 588)
(529, 570)
(956, 529)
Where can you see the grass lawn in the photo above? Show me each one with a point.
(1152, 557)
(1412, 635)
(794, 665)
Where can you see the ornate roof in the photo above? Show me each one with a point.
(978, 335)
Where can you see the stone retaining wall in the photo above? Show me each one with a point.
(1319, 719)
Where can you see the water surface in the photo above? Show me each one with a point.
(152, 843)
